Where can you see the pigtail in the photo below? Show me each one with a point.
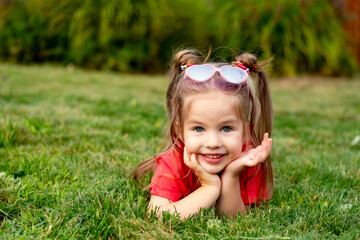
(261, 111)
(183, 57)
(173, 106)
(264, 123)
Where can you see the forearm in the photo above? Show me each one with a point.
(230, 201)
(203, 197)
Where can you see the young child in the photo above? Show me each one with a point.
(219, 148)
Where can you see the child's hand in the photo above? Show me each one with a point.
(250, 158)
(205, 178)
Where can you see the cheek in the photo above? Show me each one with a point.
(191, 143)
(235, 146)
(237, 151)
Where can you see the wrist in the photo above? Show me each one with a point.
(211, 185)
(232, 173)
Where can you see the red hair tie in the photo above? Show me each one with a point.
(242, 66)
(183, 67)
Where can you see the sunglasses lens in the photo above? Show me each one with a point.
(233, 75)
(200, 73)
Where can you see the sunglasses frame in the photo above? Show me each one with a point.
(215, 70)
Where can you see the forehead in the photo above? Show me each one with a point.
(214, 103)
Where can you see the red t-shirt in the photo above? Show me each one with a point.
(174, 180)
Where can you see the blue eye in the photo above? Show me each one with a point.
(198, 129)
(226, 129)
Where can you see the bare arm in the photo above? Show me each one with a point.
(230, 201)
(204, 197)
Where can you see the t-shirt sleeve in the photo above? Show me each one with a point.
(165, 182)
(253, 186)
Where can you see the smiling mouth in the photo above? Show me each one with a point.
(213, 156)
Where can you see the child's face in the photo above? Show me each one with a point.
(212, 129)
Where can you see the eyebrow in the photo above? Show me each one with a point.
(231, 121)
(195, 122)
(227, 121)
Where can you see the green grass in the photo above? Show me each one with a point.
(69, 139)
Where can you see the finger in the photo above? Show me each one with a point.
(259, 155)
(186, 157)
(186, 152)
(254, 159)
(192, 162)
(265, 153)
(193, 159)
(267, 145)
(266, 136)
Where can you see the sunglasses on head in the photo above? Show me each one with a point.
(205, 72)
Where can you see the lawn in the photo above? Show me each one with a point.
(69, 139)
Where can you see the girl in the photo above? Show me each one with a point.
(219, 127)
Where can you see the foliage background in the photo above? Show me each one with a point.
(134, 36)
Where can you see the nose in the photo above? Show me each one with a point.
(213, 140)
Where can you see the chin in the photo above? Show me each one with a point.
(213, 170)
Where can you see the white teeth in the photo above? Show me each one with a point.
(213, 156)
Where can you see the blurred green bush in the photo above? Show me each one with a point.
(140, 35)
